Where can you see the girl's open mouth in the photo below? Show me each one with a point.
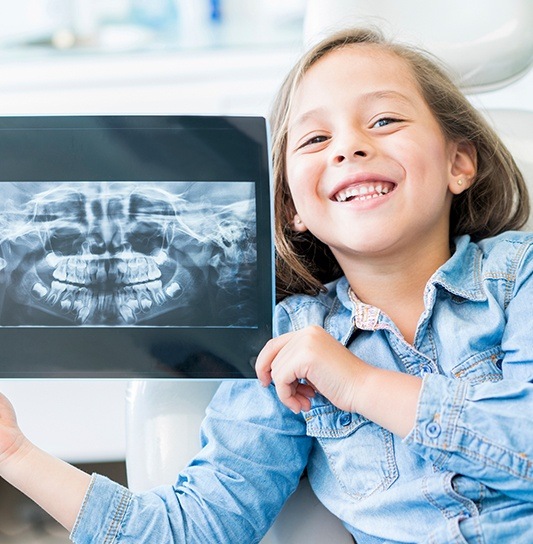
(364, 191)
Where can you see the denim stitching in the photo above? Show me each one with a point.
(294, 313)
(85, 500)
(118, 516)
(469, 505)
(523, 474)
(392, 474)
(431, 341)
(385, 441)
(475, 363)
(515, 263)
(332, 432)
(488, 356)
(383, 484)
(425, 491)
(332, 313)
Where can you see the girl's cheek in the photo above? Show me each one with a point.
(301, 172)
(293, 176)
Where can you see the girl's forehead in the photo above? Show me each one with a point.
(361, 61)
(355, 69)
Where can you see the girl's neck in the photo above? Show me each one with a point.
(395, 284)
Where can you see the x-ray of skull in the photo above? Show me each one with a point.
(171, 254)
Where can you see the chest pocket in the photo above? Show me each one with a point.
(359, 452)
(481, 367)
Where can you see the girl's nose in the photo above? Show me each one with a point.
(341, 157)
(351, 147)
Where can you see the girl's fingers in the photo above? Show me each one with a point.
(294, 395)
(296, 402)
(303, 395)
(307, 390)
(273, 365)
(263, 365)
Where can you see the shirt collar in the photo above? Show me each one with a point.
(461, 273)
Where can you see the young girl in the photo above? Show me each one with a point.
(403, 358)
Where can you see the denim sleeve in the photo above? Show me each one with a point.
(254, 451)
(485, 430)
(517, 343)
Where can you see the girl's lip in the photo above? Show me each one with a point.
(359, 179)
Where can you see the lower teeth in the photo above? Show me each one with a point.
(86, 305)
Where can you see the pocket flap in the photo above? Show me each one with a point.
(330, 422)
(481, 367)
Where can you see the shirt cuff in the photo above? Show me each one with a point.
(440, 404)
(102, 512)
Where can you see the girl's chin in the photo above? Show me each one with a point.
(366, 248)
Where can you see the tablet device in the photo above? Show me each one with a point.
(134, 246)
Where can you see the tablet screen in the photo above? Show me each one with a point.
(134, 246)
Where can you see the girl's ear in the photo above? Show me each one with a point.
(463, 168)
(298, 224)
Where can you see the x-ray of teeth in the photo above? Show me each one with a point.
(170, 254)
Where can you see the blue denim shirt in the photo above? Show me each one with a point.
(464, 474)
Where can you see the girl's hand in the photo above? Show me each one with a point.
(313, 355)
(11, 437)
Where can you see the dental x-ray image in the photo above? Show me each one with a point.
(124, 254)
(134, 246)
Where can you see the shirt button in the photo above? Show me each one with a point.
(345, 419)
(425, 369)
(433, 429)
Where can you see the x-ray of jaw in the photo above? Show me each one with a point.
(127, 254)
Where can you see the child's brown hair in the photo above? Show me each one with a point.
(497, 199)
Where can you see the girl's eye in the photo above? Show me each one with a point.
(384, 121)
(314, 140)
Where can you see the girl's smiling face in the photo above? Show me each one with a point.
(369, 169)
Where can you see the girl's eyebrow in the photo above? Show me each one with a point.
(385, 95)
(371, 96)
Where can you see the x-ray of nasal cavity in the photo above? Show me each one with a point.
(170, 254)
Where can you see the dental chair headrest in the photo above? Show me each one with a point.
(487, 43)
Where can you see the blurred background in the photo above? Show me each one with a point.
(136, 57)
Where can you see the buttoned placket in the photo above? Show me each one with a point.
(414, 359)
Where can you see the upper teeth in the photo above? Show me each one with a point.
(362, 192)
(81, 271)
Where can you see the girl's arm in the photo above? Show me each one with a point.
(252, 460)
(54, 485)
(484, 431)
(386, 397)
